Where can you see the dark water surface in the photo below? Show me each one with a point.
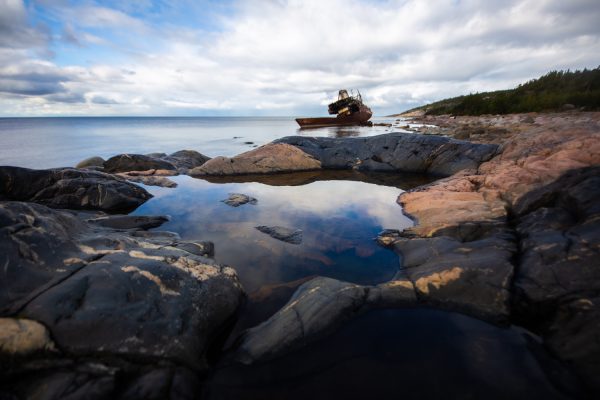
(63, 142)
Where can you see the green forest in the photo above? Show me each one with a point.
(557, 90)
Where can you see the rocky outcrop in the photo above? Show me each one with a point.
(270, 158)
(288, 235)
(185, 160)
(71, 188)
(143, 297)
(395, 152)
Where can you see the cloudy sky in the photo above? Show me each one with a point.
(278, 57)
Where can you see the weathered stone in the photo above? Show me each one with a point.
(70, 188)
(91, 162)
(395, 293)
(239, 199)
(101, 291)
(395, 152)
(316, 308)
(269, 158)
(387, 237)
(135, 162)
(21, 337)
(293, 236)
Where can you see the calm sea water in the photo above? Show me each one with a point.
(62, 142)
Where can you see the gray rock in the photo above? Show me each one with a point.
(472, 277)
(293, 236)
(387, 237)
(316, 308)
(130, 221)
(185, 160)
(71, 188)
(135, 162)
(91, 162)
(106, 292)
(395, 152)
(238, 199)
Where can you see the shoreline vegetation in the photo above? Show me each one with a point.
(555, 91)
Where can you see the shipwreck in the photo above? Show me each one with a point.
(349, 110)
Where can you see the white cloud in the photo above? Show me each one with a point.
(289, 57)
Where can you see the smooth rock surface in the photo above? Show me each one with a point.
(269, 158)
(106, 292)
(288, 235)
(395, 152)
(91, 162)
(71, 188)
(21, 337)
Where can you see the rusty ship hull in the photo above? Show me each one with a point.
(360, 117)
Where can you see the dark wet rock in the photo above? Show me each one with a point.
(270, 158)
(101, 379)
(248, 142)
(156, 155)
(185, 160)
(293, 236)
(135, 162)
(472, 277)
(130, 221)
(558, 279)
(205, 249)
(238, 199)
(91, 162)
(316, 308)
(150, 180)
(395, 152)
(71, 188)
(106, 292)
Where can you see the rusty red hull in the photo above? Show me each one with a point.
(357, 118)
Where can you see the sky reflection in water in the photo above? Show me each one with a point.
(339, 220)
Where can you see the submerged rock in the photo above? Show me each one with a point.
(129, 221)
(238, 199)
(266, 159)
(150, 180)
(293, 236)
(71, 188)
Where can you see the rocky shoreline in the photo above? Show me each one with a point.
(95, 305)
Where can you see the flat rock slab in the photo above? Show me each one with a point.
(71, 188)
(395, 152)
(102, 291)
(152, 180)
(239, 199)
(293, 236)
(270, 158)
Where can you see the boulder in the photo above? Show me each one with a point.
(135, 162)
(71, 188)
(150, 180)
(266, 159)
(185, 160)
(395, 152)
(102, 291)
(91, 162)
(293, 236)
